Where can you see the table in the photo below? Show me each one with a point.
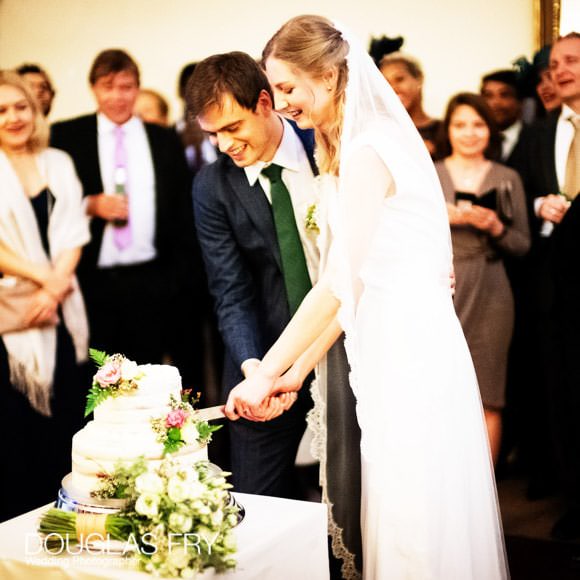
(279, 539)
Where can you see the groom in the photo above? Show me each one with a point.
(232, 100)
(238, 233)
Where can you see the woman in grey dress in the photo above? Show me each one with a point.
(488, 218)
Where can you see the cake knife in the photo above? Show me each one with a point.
(210, 413)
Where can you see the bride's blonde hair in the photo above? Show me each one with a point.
(314, 46)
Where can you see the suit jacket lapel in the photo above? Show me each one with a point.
(549, 153)
(154, 146)
(253, 200)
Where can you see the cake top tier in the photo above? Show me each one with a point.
(121, 384)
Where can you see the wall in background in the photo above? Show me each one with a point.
(456, 40)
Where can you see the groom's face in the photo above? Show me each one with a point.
(242, 134)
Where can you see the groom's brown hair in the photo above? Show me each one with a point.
(233, 73)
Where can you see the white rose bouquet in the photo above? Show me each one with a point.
(178, 519)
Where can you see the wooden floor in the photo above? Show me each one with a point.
(532, 554)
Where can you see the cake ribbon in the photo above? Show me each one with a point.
(88, 524)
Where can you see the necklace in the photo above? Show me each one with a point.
(468, 177)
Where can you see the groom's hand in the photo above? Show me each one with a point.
(247, 396)
(273, 407)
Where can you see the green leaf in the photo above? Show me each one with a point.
(172, 445)
(99, 357)
(95, 397)
(205, 431)
(174, 434)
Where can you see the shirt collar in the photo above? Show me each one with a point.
(287, 155)
(105, 125)
(567, 113)
(512, 132)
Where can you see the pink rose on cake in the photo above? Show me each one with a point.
(176, 418)
(109, 374)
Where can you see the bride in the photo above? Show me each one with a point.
(429, 506)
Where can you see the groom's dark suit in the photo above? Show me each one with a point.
(238, 240)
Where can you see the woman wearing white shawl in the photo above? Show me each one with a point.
(39, 382)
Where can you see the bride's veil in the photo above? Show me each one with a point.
(369, 99)
(370, 102)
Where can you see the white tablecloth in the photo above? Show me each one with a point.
(279, 539)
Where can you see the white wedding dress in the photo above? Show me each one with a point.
(429, 506)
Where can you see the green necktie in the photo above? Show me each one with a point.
(296, 277)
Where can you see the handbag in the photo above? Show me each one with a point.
(16, 299)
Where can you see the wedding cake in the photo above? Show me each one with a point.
(138, 412)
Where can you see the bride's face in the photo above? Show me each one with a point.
(298, 96)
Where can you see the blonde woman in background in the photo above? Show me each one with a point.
(42, 230)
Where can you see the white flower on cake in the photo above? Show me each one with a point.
(130, 370)
(189, 433)
(116, 376)
(180, 426)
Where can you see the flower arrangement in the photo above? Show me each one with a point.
(117, 375)
(177, 519)
(310, 221)
(181, 427)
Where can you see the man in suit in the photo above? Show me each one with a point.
(502, 93)
(136, 191)
(552, 180)
(232, 100)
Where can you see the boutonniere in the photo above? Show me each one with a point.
(310, 221)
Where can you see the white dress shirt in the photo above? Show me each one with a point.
(140, 188)
(298, 177)
(562, 142)
(509, 139)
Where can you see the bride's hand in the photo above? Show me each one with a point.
(245, 398)
(290, 381)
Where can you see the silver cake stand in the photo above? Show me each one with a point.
(71, 500)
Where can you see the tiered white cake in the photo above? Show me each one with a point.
(122, 430)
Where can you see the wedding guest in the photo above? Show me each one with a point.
(405, 75)
(487, 213)
(136, 192)
(41, 85)
(544, 84)
(502, 93)
(42, 230)
(151, 107)
(199, 148)
(554, 159)
(427, 487)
